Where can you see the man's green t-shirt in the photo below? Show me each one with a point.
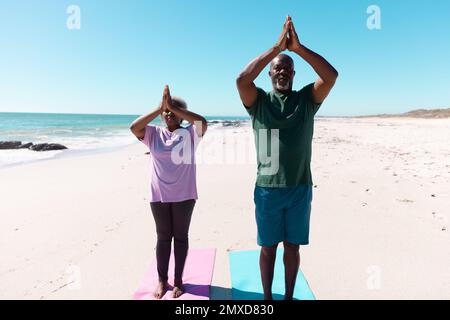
(283, 125)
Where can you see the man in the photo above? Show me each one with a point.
(283, 191)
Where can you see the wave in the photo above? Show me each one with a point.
(22, 156)
(62, 131)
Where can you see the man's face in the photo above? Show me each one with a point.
(282, 74)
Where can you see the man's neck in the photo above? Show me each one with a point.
(282, 91)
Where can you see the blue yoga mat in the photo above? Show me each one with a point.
(246, 278)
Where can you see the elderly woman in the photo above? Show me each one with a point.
(173, 189)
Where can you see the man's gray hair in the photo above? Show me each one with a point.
(282, 56)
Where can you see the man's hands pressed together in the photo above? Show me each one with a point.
(293, 42)
(282, 43)
(288, 38)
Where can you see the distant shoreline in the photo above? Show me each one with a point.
(419, 113)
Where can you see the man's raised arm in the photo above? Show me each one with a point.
(327, 74)
(244, 82)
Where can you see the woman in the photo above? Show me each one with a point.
(173, 181)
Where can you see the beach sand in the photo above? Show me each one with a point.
(81, 227)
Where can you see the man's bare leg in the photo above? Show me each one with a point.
(267, 265)
(291, 259)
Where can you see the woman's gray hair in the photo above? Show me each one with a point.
(179, 103)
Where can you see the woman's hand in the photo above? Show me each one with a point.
(183, 113)
(167, 99)
(161, 107)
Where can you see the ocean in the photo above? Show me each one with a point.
(78, 132)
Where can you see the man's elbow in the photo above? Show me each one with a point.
(331, 79)
(240, 80)
(335, 75)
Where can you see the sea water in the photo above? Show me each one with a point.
(78, 132)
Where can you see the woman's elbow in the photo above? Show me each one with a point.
(204, 125)
(133, 128)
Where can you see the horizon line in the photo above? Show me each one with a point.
(242, 116)
(137, 115)
(106, 114)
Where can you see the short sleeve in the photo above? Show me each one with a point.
(260, 93)
(148, 135)
(307, 94)
(191, 129)
(195, 139)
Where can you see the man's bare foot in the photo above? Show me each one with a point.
(178, 288)
(161, 289)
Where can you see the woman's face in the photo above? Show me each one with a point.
(171, 119)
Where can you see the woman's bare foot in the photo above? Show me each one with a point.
(161, 289)
(178, 288)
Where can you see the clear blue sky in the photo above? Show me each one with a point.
(125, 52)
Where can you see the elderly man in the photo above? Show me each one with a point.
(283, 122)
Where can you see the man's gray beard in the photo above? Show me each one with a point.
(280, 87)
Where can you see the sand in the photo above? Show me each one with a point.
(81, 227)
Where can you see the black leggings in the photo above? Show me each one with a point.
(172, 220)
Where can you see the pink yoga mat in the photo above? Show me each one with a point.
(197, 277)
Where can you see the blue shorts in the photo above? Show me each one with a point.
(282, 214)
